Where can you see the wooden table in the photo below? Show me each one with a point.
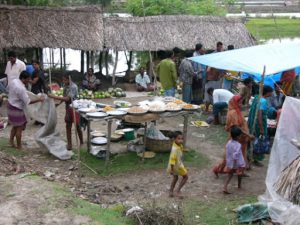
(139, 119)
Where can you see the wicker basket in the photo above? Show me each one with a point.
(160, 145)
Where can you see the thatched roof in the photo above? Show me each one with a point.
(85, 28)
(76, 28)
(167, 32)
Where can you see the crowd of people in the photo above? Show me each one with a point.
(200, 84)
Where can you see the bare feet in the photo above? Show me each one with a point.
(171, 194)
(216, 174)
(179, 195)
(12, 145)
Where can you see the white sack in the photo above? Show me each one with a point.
(47, 136)
(282, 154)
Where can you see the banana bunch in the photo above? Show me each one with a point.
(199, 123)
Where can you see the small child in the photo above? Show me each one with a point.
(235, 162)
(176, 167)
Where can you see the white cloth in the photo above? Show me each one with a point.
(48, 137)
(142, 81)
(222, 95)
(282, 154)
(17, 95)
(14, 71)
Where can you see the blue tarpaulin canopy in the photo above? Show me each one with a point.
(251, 60)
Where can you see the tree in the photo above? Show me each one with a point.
(174, 7)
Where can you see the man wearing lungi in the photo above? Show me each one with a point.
(18, 99)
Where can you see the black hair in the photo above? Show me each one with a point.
(219, 43)
(91, 69)
(267, 89)
(278, 83)
(24, 75)
(235, 132)
(248, 80)
(176, 134)
(12, 54)
(36, 62)
(66, 76)
(177, 50)
(188, 54)
(198, 46)
(230, 47)
(210, 90)
(169, 54)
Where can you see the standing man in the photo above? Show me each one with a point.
(187, 73)
(166, 71)
(38, 84)
(199, 79)
(70, 94)
(219, 47)
(14, 67)
(17, 101)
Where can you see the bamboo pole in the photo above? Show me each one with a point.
(50, 77)
(115, 68)
(252, 129)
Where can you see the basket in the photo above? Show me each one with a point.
(155, 145)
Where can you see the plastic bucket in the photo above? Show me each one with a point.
(129, 134)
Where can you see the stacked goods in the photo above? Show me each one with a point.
(288, 183)
(59, 92)
(111, 92)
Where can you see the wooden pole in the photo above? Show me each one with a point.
(50, 77)
(64, 58)
(109, 122)
(115, 68)
(82, 61)
(252, 129)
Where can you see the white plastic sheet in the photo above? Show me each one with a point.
(282, 154)
(47, 136)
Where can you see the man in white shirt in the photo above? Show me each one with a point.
(14, 67)
(143, 82)
(18, 99)
(219, 98)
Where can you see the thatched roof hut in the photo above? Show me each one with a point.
(167, 32)
(85, 28)
(76, 28)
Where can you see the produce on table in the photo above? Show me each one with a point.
(111, 92)
(59, 92)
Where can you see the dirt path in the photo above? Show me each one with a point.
(135, 186)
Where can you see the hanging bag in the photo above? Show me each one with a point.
(261, 145)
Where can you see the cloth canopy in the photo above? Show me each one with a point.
(276, 58)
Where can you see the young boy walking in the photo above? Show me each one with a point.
(235, 162)
(176, 167)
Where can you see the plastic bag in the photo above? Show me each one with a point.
(252, 212)
(154, 133)
(261, 145)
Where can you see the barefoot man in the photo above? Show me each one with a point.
(17, 101)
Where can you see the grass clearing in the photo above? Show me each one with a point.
(265, 28)
(217, 212)
(127, 162)
(9, 150)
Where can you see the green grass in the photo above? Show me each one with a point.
(265, 28)
(9, 150)
(215, 212)
(127, 162)
(216, 135)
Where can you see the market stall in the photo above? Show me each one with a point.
(144, 112)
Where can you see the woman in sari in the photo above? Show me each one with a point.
(259, 126)
(287, 79)
(235, 118)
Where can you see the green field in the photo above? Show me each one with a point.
(269, 28)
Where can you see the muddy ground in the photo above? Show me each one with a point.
(138, 186)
